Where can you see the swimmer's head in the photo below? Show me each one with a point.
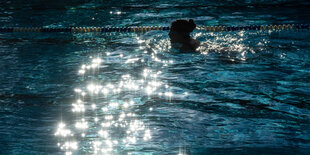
(180, 34)
(183, 26)
(180, 30)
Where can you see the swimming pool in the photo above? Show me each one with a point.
(128, 93)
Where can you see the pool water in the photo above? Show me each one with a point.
(243, 92)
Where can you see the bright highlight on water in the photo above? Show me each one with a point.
(107, 124)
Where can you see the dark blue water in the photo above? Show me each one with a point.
(244, 92)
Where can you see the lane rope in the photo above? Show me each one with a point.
(159, 28)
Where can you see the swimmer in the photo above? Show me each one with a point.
(180, 35)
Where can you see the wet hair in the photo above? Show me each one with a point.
(183, 26)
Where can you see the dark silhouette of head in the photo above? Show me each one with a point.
(180, 33)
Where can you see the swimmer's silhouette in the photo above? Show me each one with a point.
(180, 35)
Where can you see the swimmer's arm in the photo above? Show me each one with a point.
(195, 43)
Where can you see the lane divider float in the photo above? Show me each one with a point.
(159, 28)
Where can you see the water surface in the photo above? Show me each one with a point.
(242, 92)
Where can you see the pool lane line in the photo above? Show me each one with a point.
(159, 28)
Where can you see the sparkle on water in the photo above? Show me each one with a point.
(110, 124)
(106, 121)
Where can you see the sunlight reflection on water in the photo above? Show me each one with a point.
(105, 120)
(110, 125)
(115, 88)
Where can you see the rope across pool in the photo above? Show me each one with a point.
(159, 28)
